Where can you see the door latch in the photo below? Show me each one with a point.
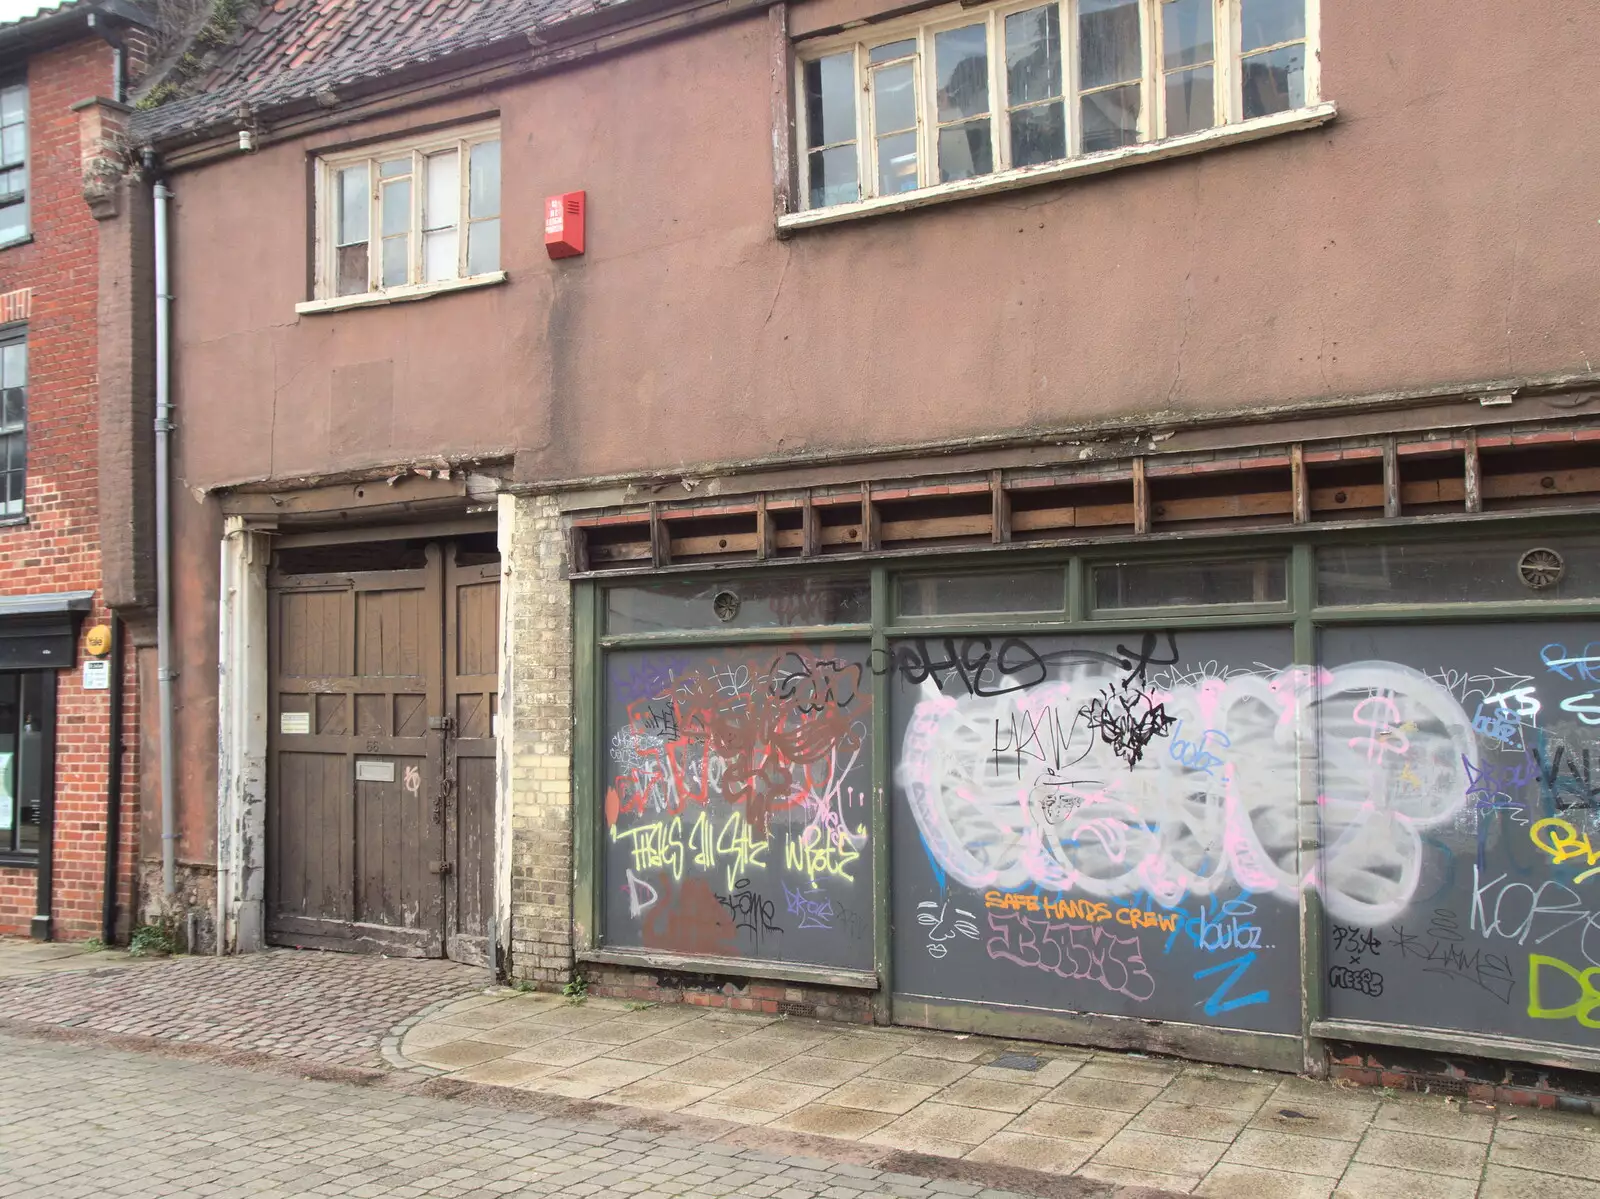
(437, 867)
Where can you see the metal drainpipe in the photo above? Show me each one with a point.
(164, 673)
(108, 908)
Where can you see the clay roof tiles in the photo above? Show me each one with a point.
(293, 50)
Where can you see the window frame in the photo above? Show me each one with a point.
(12, 852)
(462, 139)
(1229, 123)
(26, 203)
(12, 335)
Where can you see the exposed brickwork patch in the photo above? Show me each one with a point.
(1479, 1079)
(735, 995)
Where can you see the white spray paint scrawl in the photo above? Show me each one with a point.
(1016, 790)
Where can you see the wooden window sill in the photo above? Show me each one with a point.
(1066, 169)
(398, 295)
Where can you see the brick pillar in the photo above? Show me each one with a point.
(535, 767)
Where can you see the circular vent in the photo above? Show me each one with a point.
(726, 605)
(1541, 568)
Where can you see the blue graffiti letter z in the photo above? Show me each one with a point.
(1215, 1006)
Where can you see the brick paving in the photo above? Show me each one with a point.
(82, 1121)
(322, 1007)
(1121, 1119)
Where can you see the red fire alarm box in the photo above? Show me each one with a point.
(563, 225)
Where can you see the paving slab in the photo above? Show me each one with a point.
(22, 957)
(86, 1120)
(1083, 1118)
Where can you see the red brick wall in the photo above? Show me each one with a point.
(58, 548)
(739, 995)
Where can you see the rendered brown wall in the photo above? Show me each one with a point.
(1437, 231)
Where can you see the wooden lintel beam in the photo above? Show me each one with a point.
(870, 530)
(1391, 479)
(1302, 493)
(999, 509)
(763, 529)
(660, 539)
(1472, 476)
(1141, 498)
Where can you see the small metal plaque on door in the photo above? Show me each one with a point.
(369, 771)
(294, 722)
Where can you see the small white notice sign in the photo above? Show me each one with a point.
(294, 722)
(369, 770)
(97, 675)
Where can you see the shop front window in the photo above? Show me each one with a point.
(24, 742)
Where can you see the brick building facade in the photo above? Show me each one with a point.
(54, 828)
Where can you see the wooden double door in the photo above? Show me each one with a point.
(380, 790)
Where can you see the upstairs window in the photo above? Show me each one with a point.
(962, 92)
(13, 162)
(13, 425)
(409, 215)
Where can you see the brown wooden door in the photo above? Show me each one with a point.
(356, 804)
(472, 694)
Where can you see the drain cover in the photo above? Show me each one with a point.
(1017, 1061)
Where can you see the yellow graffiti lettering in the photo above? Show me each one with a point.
(703, 842)
(1581, 1009)
(657, 846)
(1562, 842)
(736, 841)
(1077, 909)
(1138, 918)
(825, 853)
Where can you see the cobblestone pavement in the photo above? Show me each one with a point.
(1076, 1113)
(323, 1007)
(84, 1121)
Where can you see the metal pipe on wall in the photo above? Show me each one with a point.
(164, 672)
(108, 907)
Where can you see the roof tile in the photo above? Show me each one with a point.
(294, 49)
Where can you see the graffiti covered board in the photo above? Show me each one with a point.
(737, 803)
(1100, 824)
(1474, 894)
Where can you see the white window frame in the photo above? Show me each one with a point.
(1229, 125)
(325, 218)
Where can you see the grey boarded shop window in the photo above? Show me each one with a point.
(1107, 825)
(1549, 567)
(737, 803)
(760, 603)
(1458, 789)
